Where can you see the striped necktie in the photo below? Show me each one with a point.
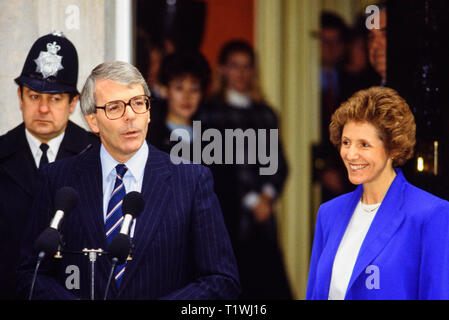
(114, 215)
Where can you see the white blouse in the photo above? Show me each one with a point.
(348, 250)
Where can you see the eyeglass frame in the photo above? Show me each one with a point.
(126, 104)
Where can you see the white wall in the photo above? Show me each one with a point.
(89, 24)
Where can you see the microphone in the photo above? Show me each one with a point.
(132, 206)
(65, 201)
(120, 245)
(48, 241)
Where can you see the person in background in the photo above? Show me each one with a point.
(335, 86)
(247, 197)
(185, 77)
(155, 56)
(356, 61)
(333, 36)
(387, 239)
(149, 55)
(47, 97)
(377, 46)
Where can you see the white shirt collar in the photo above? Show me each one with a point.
(53, 147)
(136, 164)
(237, 99)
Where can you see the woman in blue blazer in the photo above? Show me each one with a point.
(387, 239)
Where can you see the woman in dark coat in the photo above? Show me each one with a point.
(248, 197)
(185, 77)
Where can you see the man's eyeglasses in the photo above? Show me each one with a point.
(116, 109)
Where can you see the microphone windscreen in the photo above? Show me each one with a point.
(66, 199)
(119, 247)
(48, 241)
(133, 204)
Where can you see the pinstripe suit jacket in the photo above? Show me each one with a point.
(18, 176)
(181, 246)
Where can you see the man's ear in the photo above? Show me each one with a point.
(92, 122)
(73, 103)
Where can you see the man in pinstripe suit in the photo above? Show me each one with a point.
(181, 246)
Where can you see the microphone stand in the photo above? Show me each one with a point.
(92, 258)
(92, 253)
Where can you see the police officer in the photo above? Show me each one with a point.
(47, 96)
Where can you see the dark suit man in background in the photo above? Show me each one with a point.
(181, 247)
(377, 46)
(47, 96)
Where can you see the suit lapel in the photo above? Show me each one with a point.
(155, 192)
(91, 193)
(388, 219)
(341, 223)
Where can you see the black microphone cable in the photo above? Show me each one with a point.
(40, 257)
(114, 263)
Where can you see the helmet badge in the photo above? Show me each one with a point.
(49, 63)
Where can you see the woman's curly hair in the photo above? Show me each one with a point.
(388, 112)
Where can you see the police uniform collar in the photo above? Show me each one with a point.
(13, 141)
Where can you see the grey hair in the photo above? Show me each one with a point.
(117, 71)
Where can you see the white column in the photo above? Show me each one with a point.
(289, 61)
(124, 30)
(23, 21)
(268, 45)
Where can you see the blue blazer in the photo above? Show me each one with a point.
(406, 249)
(181, 246)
